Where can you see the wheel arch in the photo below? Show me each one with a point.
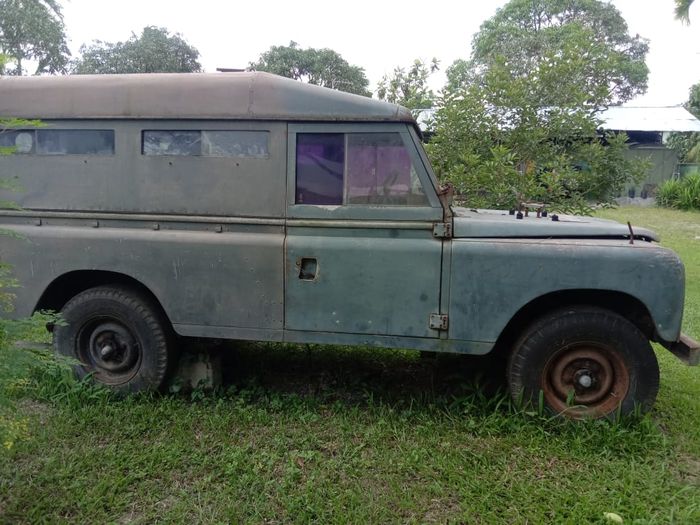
(68, 285)
(621, 303)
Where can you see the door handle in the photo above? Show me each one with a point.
(308, 267)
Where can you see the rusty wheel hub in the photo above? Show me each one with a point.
(586, 379)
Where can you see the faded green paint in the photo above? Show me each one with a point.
(227, 253)
(498, 277)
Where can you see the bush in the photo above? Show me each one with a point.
(682, 194)
(500, 146)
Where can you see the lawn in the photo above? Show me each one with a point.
(354, 436)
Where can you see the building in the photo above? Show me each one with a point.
(648, 129)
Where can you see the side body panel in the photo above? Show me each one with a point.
(494, 278)
(382, 281)
(201, 277)
(129, 182)
(204, 234)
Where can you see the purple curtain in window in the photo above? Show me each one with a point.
(319, 168)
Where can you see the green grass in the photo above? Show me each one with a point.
(355, 436)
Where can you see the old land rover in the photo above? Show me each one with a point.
(247, 206)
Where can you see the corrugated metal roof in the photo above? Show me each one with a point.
(660, 119)
(189, 95)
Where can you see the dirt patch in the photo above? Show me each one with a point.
(689, 470)
(35, 409)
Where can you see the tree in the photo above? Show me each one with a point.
(322, 67)
(687, 145)
(683, 10)
(409, 88)
(500, 148)
(154, 51)
(33, 30)
(527, 32)
(518, 121)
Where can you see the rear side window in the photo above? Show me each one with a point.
(194, 143)
(235, 144)
(74, 142)
(58, 141)
(356, 168)
(172, 143)
(17, 141)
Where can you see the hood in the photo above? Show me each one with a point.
(498, 223)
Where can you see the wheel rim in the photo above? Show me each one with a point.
(110, 350)
(586, 379)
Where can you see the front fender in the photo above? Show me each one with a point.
(492, 279)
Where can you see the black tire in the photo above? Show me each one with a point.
(585, 362)
(119, 336)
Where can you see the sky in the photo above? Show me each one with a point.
(377, 35)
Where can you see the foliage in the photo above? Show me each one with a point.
(683, 10)
(683, 194)
(33, 30)
(609, 62)
(687, 145)
(518, 121)
(322, 67)
(409, 87)
(500, 146)
(154, 51)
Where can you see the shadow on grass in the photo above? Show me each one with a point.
(356, 375)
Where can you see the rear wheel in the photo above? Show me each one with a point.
(585, 362)
(119, 336)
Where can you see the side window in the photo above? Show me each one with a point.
(356, 169)
(17, 141)
(252, 144)
(74, 142)
(172, 143)
(195, 143)
(320, 166)
(58, 141)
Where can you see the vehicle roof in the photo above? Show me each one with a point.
(249, 95)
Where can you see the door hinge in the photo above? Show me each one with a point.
(439, 321)
(442, 230)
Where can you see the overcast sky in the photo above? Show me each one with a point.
(377, 35)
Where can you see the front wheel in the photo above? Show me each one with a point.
(119, 336)
(584, 362)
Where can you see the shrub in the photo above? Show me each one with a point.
(683, 194)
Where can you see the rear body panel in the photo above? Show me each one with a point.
(200, 276)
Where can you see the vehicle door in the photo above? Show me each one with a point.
(360, 254)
